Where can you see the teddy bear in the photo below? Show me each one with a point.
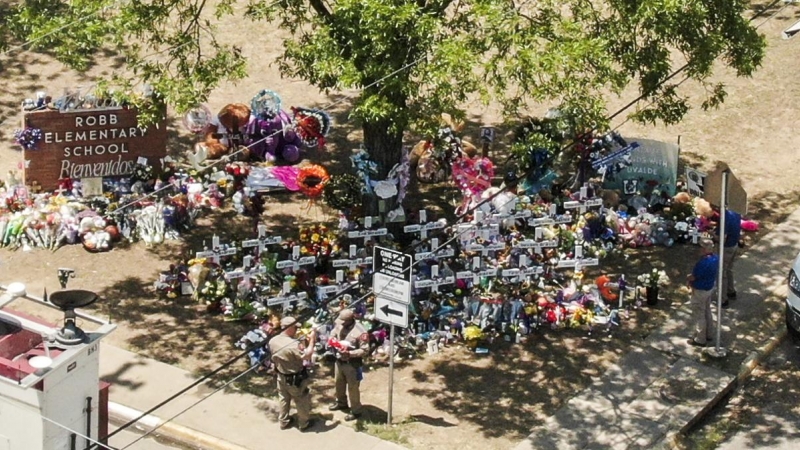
(641, 234)
(225, 130)
(273, 138)
(661, 235)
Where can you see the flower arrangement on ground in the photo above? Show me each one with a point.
(654, 278)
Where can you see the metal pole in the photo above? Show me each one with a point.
(722, 208)
(88, 421)
(391, 374)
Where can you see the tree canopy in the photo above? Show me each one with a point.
(413, 59)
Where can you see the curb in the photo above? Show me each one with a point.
(672, 439)
(168, 430)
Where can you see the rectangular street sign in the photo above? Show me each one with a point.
(391, 313)
(391, 279)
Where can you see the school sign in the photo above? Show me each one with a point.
(91, 143)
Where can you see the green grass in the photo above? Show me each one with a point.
(711, 436)
(393, 433)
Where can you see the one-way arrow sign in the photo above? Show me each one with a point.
(392, 313)
(386, 309)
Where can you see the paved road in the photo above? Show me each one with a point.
(126, 437)
(775, 423)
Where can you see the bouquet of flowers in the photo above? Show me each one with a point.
(653, 279)
(28, 137)
(213, 291)
(317, 240)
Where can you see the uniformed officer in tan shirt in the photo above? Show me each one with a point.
(348, 363)
(293, 381)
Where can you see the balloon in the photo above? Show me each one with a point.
(290, 153)
(197, 119)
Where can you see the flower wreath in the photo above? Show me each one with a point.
(266, 104)
(311, 125)
(197, 119)
(312, 180)
(28, 137)
(343, 192)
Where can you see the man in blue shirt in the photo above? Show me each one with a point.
(702, 281)
(733, 231)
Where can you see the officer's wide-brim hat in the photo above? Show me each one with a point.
(345, 315)
(288, 321)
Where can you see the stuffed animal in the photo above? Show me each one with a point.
(274, 138)
(433, 157)
(660, 234)
(642, 234)
(229, 125)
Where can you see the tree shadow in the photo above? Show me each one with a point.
(166, 330)
(513, 388)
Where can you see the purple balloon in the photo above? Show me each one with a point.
(290, 153)
(289, 135)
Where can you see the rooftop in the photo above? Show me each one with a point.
(24, 337)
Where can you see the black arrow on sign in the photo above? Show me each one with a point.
(391, 312)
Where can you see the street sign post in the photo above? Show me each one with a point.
(391, 283)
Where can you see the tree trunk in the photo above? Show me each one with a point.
(385, 145)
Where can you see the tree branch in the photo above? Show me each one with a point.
(321, 10)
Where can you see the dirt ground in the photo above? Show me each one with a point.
(491, 400)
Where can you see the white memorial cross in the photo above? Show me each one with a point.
(424, 226)
(353, 261)
(247, 271)
(523, 271)
(367, 233)
(477, 271)
(435, 281)
(296, 260)
(217, 251)
(435, 252)
(485, 248)
(578, 261)
(262, 241)
(284, 298)
(695, 234)
(583, 203)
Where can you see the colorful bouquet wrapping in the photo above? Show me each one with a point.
(28, 137)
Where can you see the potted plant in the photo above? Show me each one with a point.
(652, 282)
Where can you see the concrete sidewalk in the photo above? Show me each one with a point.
(662, 388)
(227, 420)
